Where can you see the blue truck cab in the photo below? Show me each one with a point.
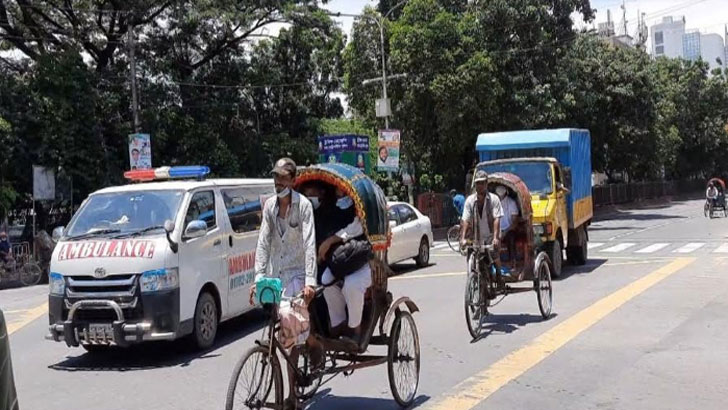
(555, 164)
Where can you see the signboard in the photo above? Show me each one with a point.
(140, 151)
(346, 149)
(44, 183)
(388, 151)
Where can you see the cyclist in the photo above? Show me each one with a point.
(479, 204)
(6, 254)
(458, 201)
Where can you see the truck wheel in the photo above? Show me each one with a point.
(578, 254)
(557, 258)
(205, 322)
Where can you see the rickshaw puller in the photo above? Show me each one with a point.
(479, 204)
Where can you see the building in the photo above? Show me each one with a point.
(691, 45)
(667, 37)
(712, 50)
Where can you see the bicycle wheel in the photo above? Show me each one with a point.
(543, 285)
(256, 380)
(453, 238)
(30, 274)
(475, 308)
(305, 393)
(403, 359)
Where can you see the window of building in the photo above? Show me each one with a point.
(659, 38)
(659, 50)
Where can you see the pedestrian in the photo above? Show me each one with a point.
(6, 254)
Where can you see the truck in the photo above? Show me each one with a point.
(169, 255)
(555, 164)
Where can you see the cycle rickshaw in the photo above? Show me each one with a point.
(387, 324)
(521, 263)
(717, 204)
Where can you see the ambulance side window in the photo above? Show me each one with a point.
(202, 207)
(244, 207)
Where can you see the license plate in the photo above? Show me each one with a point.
(101, 331)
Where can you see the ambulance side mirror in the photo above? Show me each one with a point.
(169, 228)
(57, 233)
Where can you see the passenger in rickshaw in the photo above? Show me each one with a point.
(508, 222)
(337, 223)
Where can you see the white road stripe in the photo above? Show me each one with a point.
(722, 248)
(691, 247)
(592, 245)
(653, 248)
(619, 248)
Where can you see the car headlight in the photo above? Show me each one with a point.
(160, 279)
(56, 284)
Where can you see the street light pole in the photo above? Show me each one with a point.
(384, 70)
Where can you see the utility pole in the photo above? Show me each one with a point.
(132, 65)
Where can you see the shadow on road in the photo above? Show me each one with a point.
(507, 324)
(632, 216)
(161, 354)
(405, 268)
(570, 270)
(324, 400)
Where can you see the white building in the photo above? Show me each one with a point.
(667, 37)
(712, 50)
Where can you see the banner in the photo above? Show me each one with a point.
(44, 183)
(140, 151)
(388, 152)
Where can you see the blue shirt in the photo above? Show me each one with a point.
(459, 202)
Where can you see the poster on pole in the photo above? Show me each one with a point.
(140, 151)
(44, 183)
(388, 152)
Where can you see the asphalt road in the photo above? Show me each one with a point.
(642, 326)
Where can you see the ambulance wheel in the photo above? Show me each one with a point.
(205, 322)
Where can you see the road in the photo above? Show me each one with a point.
(642, 326)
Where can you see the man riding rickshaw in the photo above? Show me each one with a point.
(347, 310)
(715, 197)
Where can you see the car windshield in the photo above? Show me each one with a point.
(122, 213)
(536, 175)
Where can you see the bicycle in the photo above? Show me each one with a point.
(22, 267)
(453, 237)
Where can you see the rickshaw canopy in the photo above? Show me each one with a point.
(516, 184)
(369, 199)
(717, 181)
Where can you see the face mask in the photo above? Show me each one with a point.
(284, 193)
(344, 202)
(314, 201)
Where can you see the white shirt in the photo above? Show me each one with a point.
(287, 246)
(510, 209)
(469, 214)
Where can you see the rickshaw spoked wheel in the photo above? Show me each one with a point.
(256, 380)
(476, 307)
(543, 285)
(403, 359)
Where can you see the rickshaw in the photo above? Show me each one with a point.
(257, 380)
(22, 266)
(521, 263)
(717, 204)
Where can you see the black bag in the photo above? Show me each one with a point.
(349, 257)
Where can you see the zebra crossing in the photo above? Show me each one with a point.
(638, 248)
(643, 248)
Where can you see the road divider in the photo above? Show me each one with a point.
(472, 391)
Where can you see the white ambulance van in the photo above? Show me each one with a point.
(171, 254)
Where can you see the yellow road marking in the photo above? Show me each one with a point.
(479, 387)
(652, 262)
(29, 316)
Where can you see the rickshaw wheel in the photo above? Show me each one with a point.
(305, 393)
(30, 274)
(543, 285)
(475, 308)
(403, 359)
(256, 376)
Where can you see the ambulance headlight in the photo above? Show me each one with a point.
(159, 280)
(56, 284)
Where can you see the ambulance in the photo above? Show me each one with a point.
(169, 255)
